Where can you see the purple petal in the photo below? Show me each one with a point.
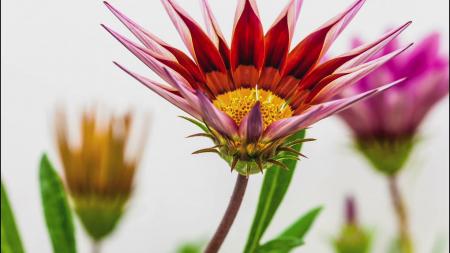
(164, 92)
(215, 118)
(285, 127)
(338, 105)
(251, 127)
(354, 75)
(143, 54)
(368, 50)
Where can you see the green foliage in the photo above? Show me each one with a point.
(293, 236)
(278, 245)
(274, 187)
(190, 247)
(56, 209)
(11, 242)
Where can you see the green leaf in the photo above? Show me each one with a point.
(197, 123)
(281, 244)
(190, 248)
(11, 242)
(299, 228)
(294, 233)
(274, 187)
(56, 209)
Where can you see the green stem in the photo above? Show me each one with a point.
(229, 216)
(398, 202)
(96, 246)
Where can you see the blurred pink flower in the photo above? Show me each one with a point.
(397, 113)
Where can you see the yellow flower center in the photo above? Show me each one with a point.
(238, 103)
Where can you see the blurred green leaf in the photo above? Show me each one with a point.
(440, 245)
(11, 242)
(56, 209)
(281, 244)
(190, 248)
(274, 187)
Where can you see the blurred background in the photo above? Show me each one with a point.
(55, 53)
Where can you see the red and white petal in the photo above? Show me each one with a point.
(335, 106)
(326, 89)
(148, 57)
(215, 33)
(353, 58)
(247, 46)
(365, 52)
(170, 95)
(201, 47)
(311, 49)
(217, 119)
(277, 43)
(157, 45)
(251, 127)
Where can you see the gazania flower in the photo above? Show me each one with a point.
(254, 92)
(99, 169)
(386, 126)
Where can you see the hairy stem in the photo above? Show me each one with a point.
(229, 216)
(402, 216)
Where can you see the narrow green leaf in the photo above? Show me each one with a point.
(197, 123)
(281, 244)
(274, 187)
(11, 242)
(56, 209)
(299, 228)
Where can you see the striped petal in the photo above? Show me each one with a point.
(247, 46)
(217, 119)
(168, 94)
(277, 43)
(353, 58)
(311, 49)
(251, 127)
(157, 45)
(201, 47)
(331, 86)
(148, 57)
(286, 127)
(215, 34)
(335, 106)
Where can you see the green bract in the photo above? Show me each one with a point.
(352, 239)
(99, 216)
(386, 156)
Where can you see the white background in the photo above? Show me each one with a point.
(56, 52)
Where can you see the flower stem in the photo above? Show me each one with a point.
(96, 246)
(229, 216)
(406, 243)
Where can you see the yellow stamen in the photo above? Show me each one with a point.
(239, 102)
